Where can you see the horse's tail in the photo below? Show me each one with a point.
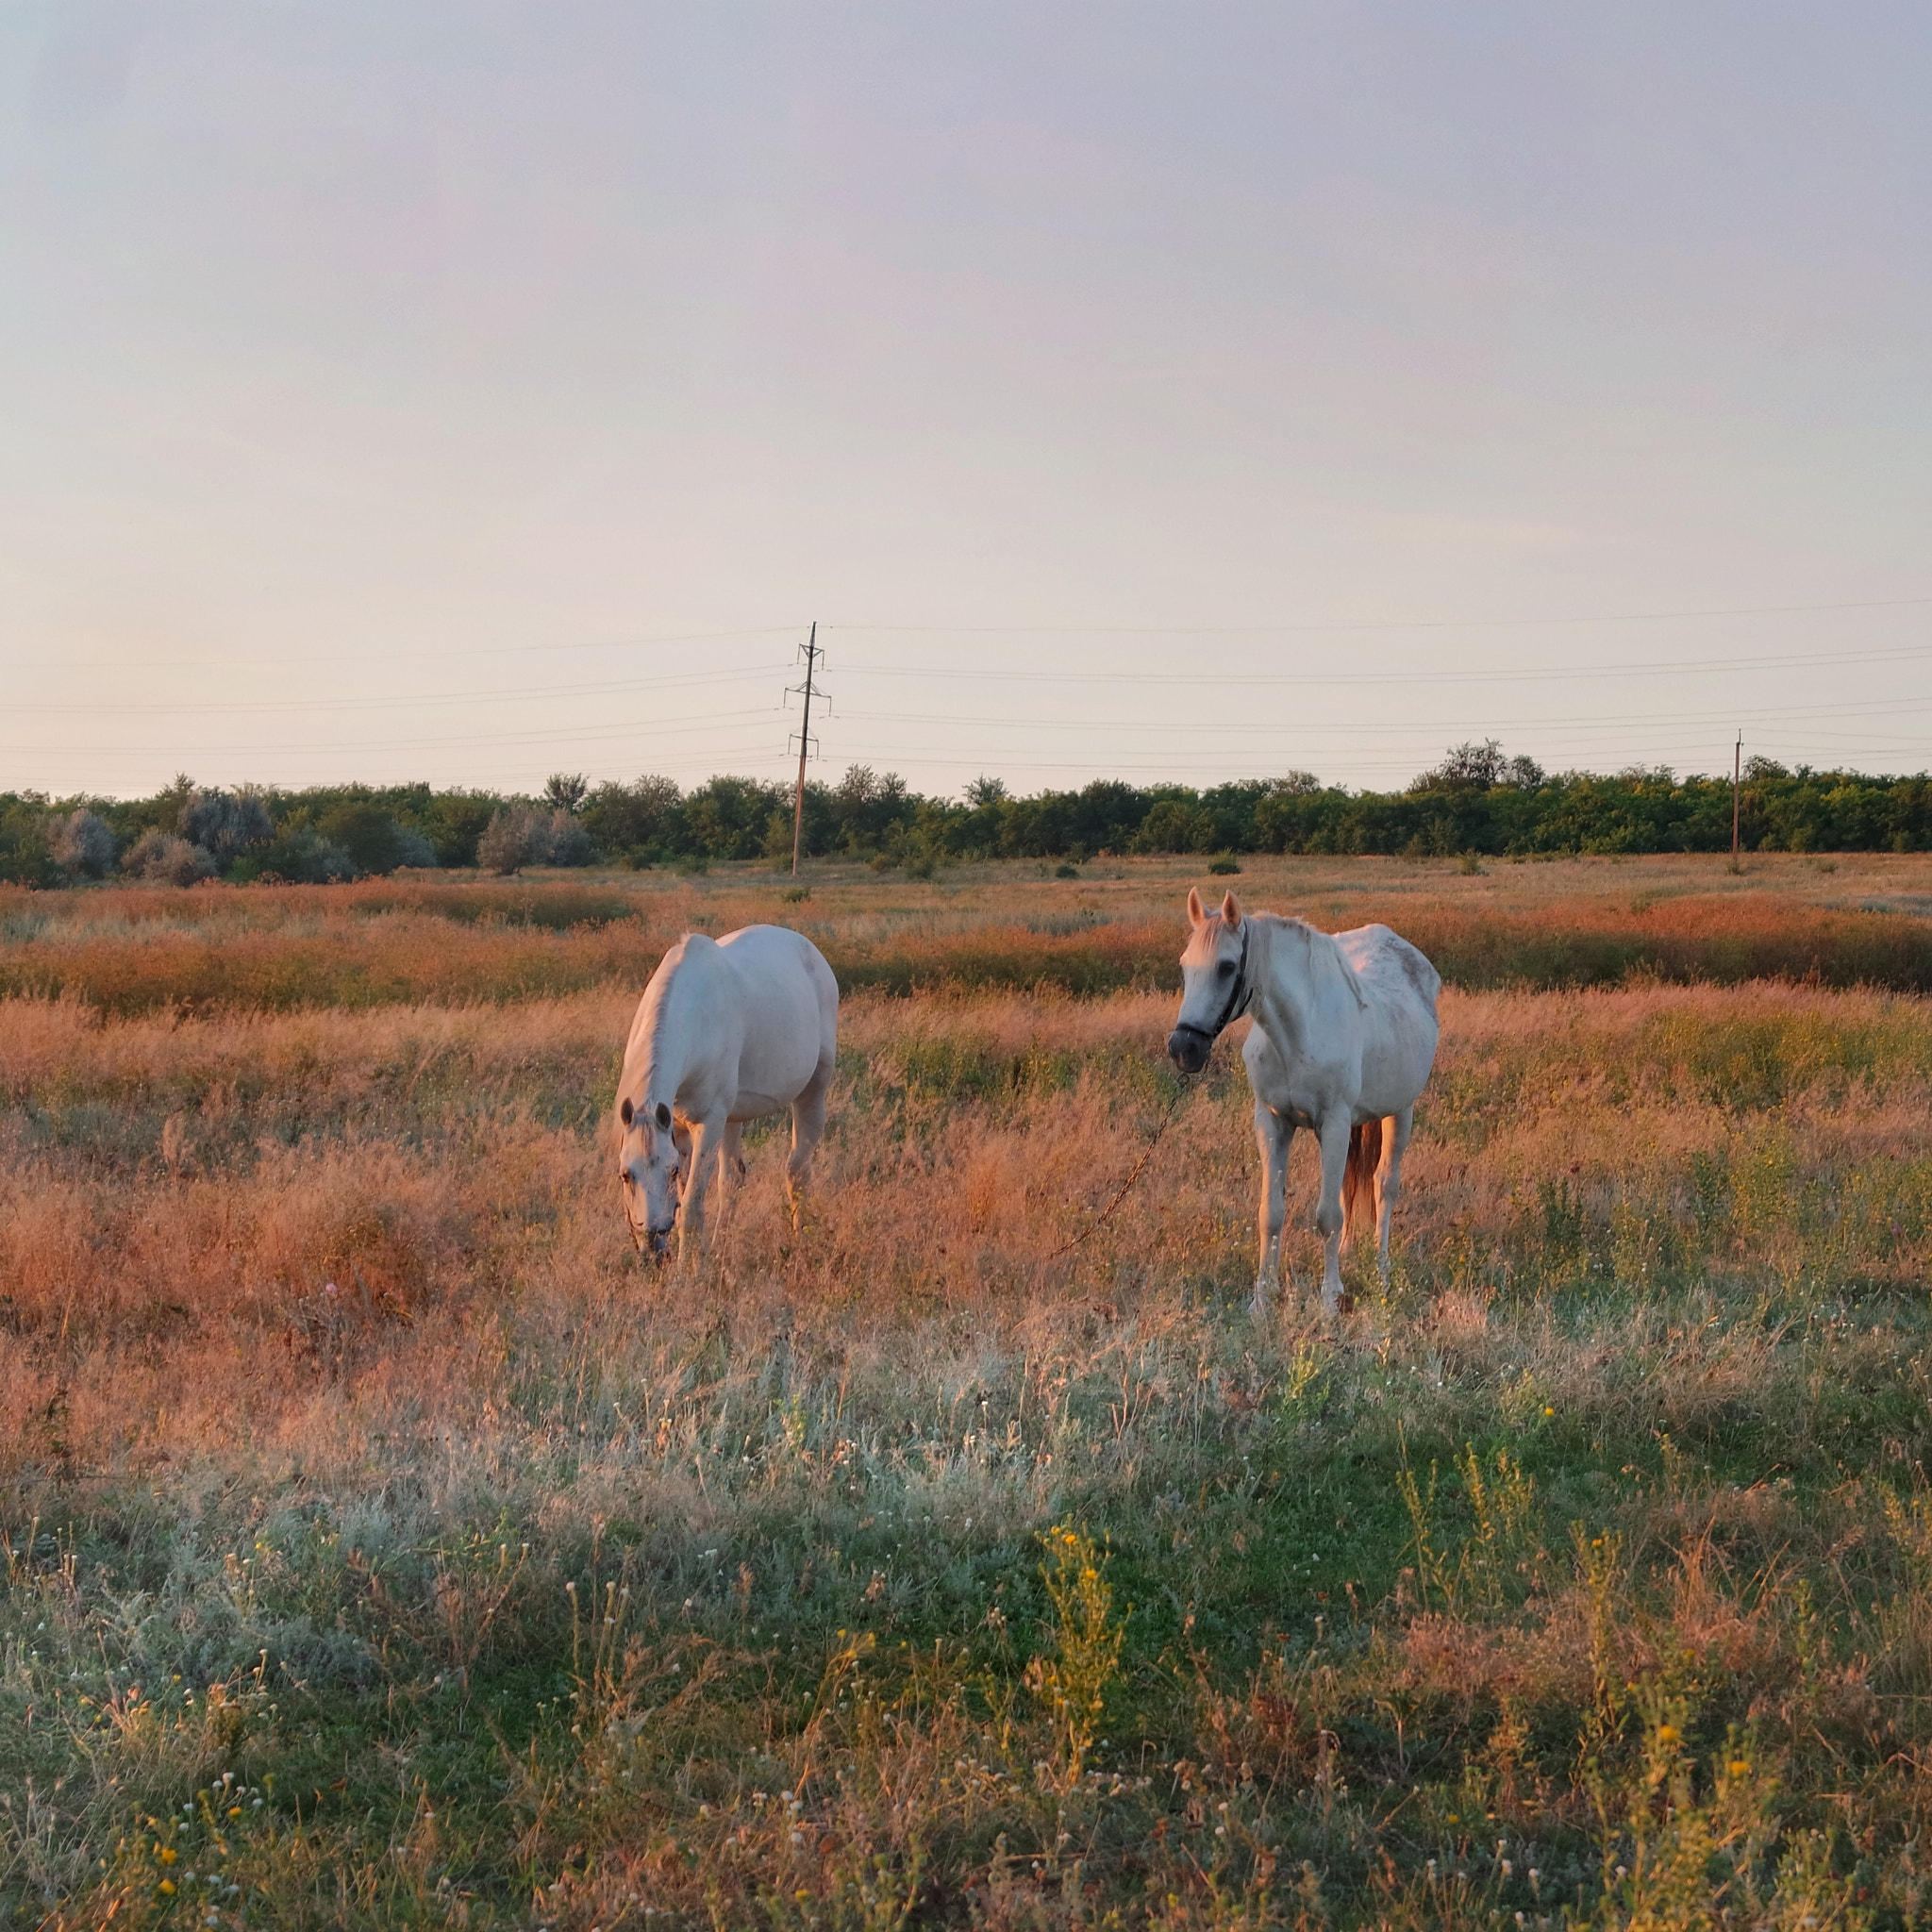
(1358, 1180)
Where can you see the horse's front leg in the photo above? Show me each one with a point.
(807, 1126)
(1333, 1134)
(1275, 1135)
(1395, 1133)
(709, 1143)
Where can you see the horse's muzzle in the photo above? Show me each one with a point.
(1189, 1048)
(652, 1242)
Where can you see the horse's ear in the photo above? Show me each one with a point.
(625, 1111)
(1230, 911)
(1196, 911)
(663, 1115)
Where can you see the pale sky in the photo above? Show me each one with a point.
(1182, 391)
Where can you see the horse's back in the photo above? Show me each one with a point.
(790, 999)
(1400, 988)
(744, 1024)
(1387, 965)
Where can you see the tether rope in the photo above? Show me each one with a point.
(1093, 1226)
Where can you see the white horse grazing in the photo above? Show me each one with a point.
(1344, 1036)
(727, 1029)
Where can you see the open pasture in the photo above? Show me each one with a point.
(1858, 919)
(386, 1544)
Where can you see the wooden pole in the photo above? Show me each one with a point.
(811, 652)
(1737, 767)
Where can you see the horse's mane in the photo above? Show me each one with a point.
(658, 1012)
(1324, 955)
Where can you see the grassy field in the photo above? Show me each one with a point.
(1109, 927)
(386, 1545)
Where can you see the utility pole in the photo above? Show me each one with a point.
(1737, 767)
(813, 655)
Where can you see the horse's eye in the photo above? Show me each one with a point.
(1227, 966)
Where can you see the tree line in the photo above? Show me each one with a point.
(1476, 801)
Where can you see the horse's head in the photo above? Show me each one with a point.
(1214, 980)
(647, 1167)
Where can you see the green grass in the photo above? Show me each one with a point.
(434, 1708)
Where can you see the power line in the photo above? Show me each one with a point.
(149, 662)
(569, 734)
(1230, 630)
(1890, 707)
(1568, 732)
(1297, 680)
(438, 699)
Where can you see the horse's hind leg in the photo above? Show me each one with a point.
(1333, 1133)
(734, 1151)
(807, 1124)
(1274, 1135)
(1395, 1133)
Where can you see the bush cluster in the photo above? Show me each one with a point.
(187, 833)
(524, 835)
(81, 844)
(159, 859)
(1476, 801)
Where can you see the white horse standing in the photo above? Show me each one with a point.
(727, 1029)
(1343, 1040)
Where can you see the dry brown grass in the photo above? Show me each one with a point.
(175, 1188)
(1859, 920)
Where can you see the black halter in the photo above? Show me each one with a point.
(1238, 999)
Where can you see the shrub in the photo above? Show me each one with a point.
(725, 818)
(866, 809)
(1173, 826)
(414, 849)
(25, 859)
(299, 857)
(453, 821)
(81, 844)
(560, 840)
(519, 836)
(329, 862)
(1224, 868)
(372, 839)
(632, 818)
(505, 846)
(779, 830)
(163, 860)
(224, 824)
